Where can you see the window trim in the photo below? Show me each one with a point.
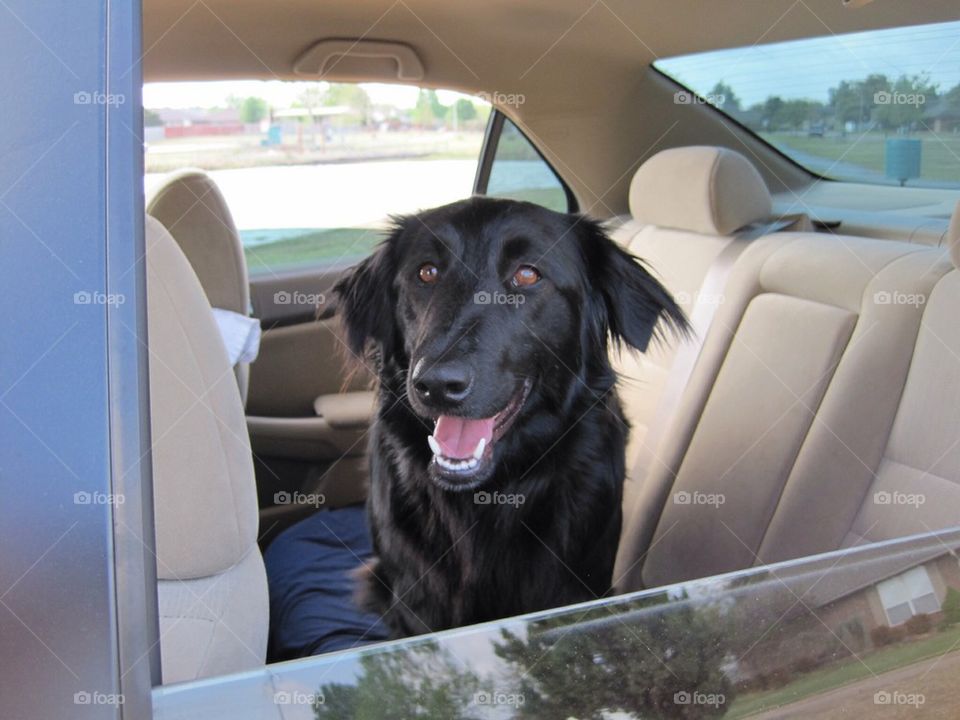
(488, 154)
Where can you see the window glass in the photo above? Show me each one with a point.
(519, 172)
(877, 107)
(312, 170)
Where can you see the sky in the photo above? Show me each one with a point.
(278, 93)
(808, 68)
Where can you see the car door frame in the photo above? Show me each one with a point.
(79, 606)
(488, 155)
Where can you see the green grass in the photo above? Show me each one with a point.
(940, 153)
(552, 198)
(299, 248)
(848, 671)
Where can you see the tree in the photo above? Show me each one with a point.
(419, 683)
(723, 97)
(352, 96)
(902, 106)
(670, 665)
(253, 110)
(951, 607)
(151, 118)
(439, 109)
(794, 114)
(771, 112)
(465, 110)
(429, 111)
(854, 101)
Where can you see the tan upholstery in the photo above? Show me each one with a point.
(346, 410)
(707, 190)
(191, 207)
(667, 191)
(211, 580)
(783, 435)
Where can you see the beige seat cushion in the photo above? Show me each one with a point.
(685, 203)
(205, 502)
(703, 189)
(784, 424)
(191, 207)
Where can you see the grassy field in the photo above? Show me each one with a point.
(299, 248)
(849, 671)
(940, 153)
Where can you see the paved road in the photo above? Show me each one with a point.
(355, 194)
(338, 195)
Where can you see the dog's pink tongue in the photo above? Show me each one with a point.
(459, 437)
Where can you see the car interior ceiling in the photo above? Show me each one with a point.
(675, 182)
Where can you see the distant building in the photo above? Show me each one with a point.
(841, 612)
(195, 122)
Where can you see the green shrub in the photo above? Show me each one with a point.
(884, 635)
(918, 624)
(951, 607)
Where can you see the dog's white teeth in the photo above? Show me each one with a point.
(478, 453)
(450, 464)
(434, 445)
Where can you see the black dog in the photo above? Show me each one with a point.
(497, 453)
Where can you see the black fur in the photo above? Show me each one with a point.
(442, 559)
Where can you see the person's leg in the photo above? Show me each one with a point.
(309, 568)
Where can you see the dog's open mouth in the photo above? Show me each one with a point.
(463, 447)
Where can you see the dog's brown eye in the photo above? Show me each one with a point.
(429, 273)
(525, 276)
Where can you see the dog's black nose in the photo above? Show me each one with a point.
(444, 382)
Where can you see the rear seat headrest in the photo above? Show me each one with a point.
(707, 190)
(953, 237)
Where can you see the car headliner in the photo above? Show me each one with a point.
(593, 104)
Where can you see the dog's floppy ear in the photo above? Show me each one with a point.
(633, 302)
(366, 298)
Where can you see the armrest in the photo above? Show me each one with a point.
(346, 410)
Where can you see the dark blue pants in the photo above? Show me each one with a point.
(309, 566)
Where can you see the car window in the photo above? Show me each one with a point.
(873, 107)
(312, 170)
(806, 638)
(519, 172)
